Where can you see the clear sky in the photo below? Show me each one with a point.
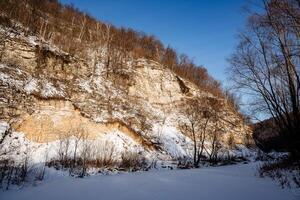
(205, 30)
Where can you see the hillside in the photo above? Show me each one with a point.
(268, 138)
(100, 105)
(65, 94)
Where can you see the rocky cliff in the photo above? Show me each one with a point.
(47, 95)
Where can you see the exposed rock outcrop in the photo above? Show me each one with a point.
(47, 95)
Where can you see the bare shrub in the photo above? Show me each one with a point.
(133, 161)
(285, 171)
(63, 150)
(185, 163)
(85, 154)
(79, 134)
(104, 154)
(6, 170)
(12, 173)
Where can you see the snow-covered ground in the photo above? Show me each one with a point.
(233, 182)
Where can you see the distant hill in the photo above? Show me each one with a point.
(267, 136)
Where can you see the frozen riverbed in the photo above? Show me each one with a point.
(228, 182)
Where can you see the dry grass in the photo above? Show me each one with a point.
(285, 171)
(133, 161)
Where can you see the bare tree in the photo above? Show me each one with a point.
(107, 37)
(82, 28)
(216, 128)
(266, 66)
(75, 32)
(195, 126)
(215, 144)
(170, 58)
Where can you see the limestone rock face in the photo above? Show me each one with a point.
(155, 85)
(47, 95)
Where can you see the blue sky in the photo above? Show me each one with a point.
(205, 30)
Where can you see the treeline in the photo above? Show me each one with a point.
(76, 32)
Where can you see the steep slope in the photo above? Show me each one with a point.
(267, 137)
(48, 95)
